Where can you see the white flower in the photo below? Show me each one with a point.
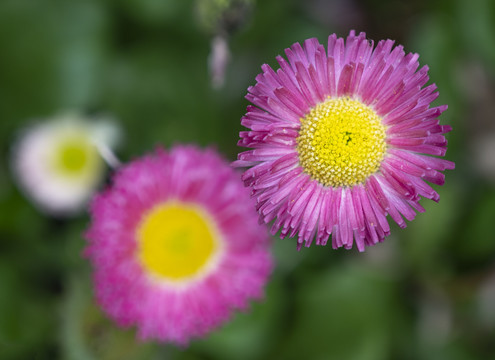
(57, 163)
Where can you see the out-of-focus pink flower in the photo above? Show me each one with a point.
(176, 245)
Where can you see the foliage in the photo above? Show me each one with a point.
(428, 292)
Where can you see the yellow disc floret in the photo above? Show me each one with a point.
(75, 156)
(341, 142)
(176, 241)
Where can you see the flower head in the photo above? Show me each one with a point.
(57, 162)
(341, 138)
(176, 245)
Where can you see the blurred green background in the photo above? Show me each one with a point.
(427, 292)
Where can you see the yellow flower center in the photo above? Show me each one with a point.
(341, 142)
(75, 155)
(177, 241)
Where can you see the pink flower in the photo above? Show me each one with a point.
(339, 138)
(176, 246)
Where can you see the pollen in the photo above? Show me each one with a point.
(176, 241)
(74, 156)
(341, 142)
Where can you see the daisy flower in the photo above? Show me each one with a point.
(57, 163)
(176, 246)
(342, 138)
